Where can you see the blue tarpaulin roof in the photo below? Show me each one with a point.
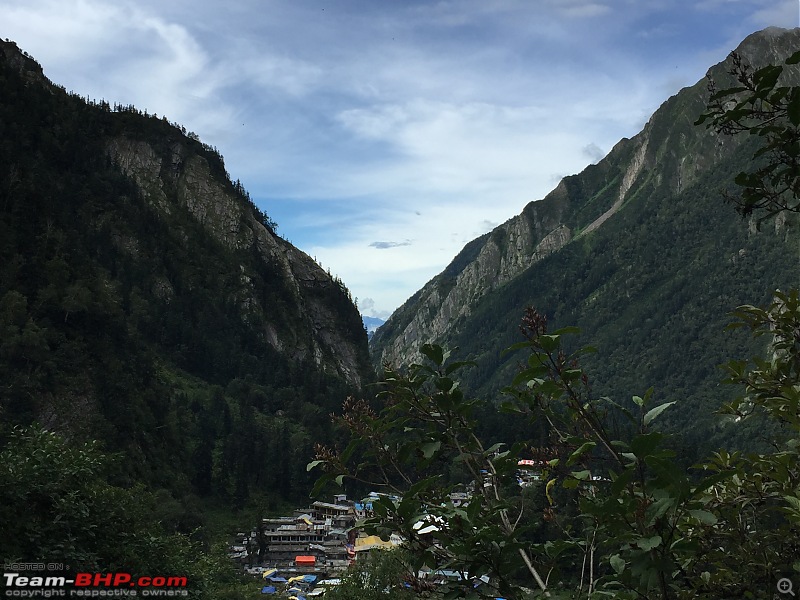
(309, 578)
(268, 589)
(277, 579)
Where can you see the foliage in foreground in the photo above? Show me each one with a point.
(626, 521)
(57, 506)
(758, 105)
(380, 575)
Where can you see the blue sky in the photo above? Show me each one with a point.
(383, 135)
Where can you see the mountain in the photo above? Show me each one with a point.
(371, 324)
(147, 303)
(639, 251)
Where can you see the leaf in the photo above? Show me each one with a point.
(493, 448)
(653, 413)
(669, 475)
(433, 352)
(793, 108)
(659, 508)
(454, 366)
(320, 484)
(617, 563)
(620, 482)
(793, 501)
(445, 384)
(642, 445)
(766, 78)
(348, 452)
(547, 489)
(647, 544)
(714, 479)
(549, 343)
(431, 448)
(515, 347)
(705, 517)
(313, 464)
(509, 408)
(567, 330)
(573, 458)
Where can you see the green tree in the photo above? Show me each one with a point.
(427, 427)
(56, 503)
(380, 575)
(639, 526)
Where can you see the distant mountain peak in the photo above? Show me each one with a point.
(371, 324)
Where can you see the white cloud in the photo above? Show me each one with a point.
(583, 10)
(593, 152)
(387, 245)
(784, 14)
(60, 34)
(119, 52)
(291, 76)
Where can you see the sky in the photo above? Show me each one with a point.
(383, 135)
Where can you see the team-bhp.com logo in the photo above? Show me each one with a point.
(94, 585)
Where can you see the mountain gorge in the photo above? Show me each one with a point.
(146, 302)
(638, 250)
(164, 353)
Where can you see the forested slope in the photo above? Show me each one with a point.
(147, 303)
(640, 251)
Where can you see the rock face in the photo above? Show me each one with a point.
(30, 70)
(497, 258)
(670, 154)
(181, 179)
(301, 311)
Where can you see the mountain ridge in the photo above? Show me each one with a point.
(546, 225)
(147, 303)
(640, 252)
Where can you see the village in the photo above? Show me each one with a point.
(304, 554)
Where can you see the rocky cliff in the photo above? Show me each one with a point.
(173, 172)
(178, 178)
(147, 303)
(669, 154)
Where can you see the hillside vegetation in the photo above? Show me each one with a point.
(639, 251)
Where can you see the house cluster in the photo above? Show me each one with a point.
(302, 555)
(320, 540)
